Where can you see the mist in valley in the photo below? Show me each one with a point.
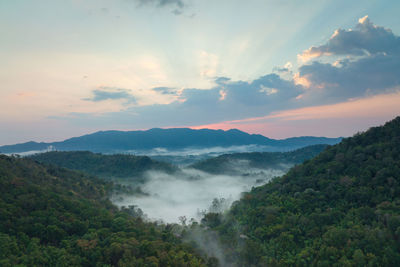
(186, 156)
(189, 193)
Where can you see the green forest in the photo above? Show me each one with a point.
(52, 216)
(104, 166)
(341, 208)
(261, 160)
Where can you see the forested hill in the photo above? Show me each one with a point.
(342, 208)
(56, 217)
(260, 160)
(104, 166)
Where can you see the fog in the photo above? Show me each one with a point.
(189, 155)
(194, 151)
(31, 152)
(189, 192)
(27, 153)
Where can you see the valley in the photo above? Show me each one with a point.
(188, 133)
(166, 192)
(331, 203)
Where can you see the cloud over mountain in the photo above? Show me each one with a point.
(351, 64)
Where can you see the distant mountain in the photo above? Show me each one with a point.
(175, 138)
(239, 162)
(104, 166)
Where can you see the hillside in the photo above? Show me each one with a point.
(229, 163)
(175, 138)
(56, 217)
(342, 208)
(104, 166)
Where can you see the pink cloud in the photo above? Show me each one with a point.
(342, 119)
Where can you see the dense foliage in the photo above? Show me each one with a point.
(104, 166)
(261, 160)
(342, 208)
(55, 217)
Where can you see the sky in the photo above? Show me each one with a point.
(274, 67)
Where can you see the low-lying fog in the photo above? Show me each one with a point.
(190, 192)
(196, 151)
(189, 155)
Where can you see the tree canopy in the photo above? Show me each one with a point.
(104, 166)
(341, 208)
(51, 216)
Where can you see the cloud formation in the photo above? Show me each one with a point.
(370, 75)
(357, 63)
(227, 100)
(111, 93)
(368, 64)
(365, 39)
(354, 115)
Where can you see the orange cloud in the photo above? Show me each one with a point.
(363, 19)
(309, 54)
(376, 106)
(301, 80)
(222, 94)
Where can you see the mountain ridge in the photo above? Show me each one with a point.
(225, 163)
(171, 138)
(121, 166)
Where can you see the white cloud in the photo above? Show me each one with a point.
(268, 90)
(366, 39)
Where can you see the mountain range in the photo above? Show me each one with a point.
(174, 138)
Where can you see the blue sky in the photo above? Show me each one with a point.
(279, 68)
